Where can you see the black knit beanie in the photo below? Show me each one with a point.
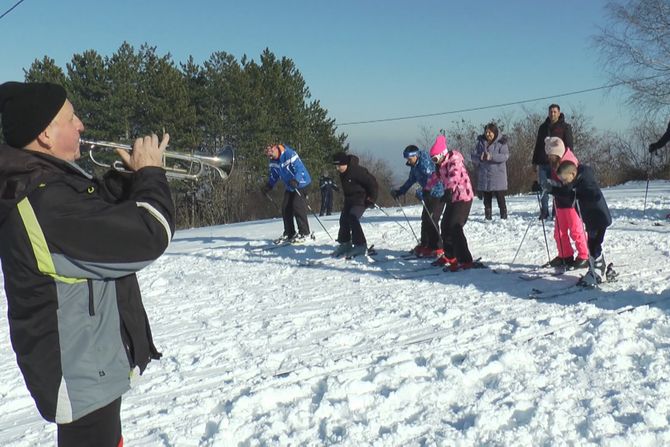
(27, 109)
(340, 158)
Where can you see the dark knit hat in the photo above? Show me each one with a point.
(27, 109)
(340, 158)
(410, 151)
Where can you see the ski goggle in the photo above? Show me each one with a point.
(437, 158)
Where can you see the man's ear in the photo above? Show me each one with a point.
(44, 139)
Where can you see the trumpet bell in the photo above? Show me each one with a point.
(223, 160)
(227, 157)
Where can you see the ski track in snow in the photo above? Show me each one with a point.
(261, 349)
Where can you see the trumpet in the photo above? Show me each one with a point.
(176, 164)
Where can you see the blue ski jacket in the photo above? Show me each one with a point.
(288, 167)
(420, 173)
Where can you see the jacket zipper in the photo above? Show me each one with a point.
(91, 307)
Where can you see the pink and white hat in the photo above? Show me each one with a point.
(439, 147)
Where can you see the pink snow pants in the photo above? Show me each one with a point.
(568, 222)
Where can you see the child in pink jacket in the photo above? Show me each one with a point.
(451, 172)
(568, 224)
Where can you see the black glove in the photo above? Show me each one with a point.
(653, 148)
(265, 188)
(395, 193)
(293, 183)
(536, 187)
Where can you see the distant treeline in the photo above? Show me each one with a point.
(244, 103)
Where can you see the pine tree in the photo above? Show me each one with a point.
(89, 92)
(45, 70)
(124, 106)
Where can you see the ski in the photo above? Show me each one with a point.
(538, 294)
(271, 246)
(540, 273)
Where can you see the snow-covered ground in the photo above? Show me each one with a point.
(288, 347)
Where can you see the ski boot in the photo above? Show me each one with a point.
(591, 279)
(610, 273)
(476, 264)
(444, 261)
(357, 250)
(342, 250)
(299, 239)
(283, 239)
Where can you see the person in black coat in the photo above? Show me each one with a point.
(327, 186)
(70, 247)
(581, 184)
(360, 192)
(553, 126)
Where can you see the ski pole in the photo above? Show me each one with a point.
(646, 189)
(431, 217)
(544, 230)
(314, 214)
(267, 196)
(522, 239)
(394, 220)
(407, 219)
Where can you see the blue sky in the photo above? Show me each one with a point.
(363, 60)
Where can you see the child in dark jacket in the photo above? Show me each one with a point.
(568, 225)
(578, 183)
(421, 168)
(360, 192)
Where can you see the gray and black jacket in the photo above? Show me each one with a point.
(70, 246)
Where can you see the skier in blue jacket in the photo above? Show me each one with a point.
(421, 168)
(285, 164)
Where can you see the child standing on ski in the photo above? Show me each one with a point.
(360, 192)
(579, 184)
(568, 224)
(420, 169)
(451, 172)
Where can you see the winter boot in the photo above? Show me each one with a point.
(357, 250)
(503, 212)
(579, 263)
(560, 262)
(488, 215)
(342, 250)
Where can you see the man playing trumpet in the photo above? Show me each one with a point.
(70, 245)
